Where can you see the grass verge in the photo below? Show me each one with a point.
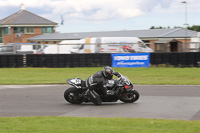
(175, 76)
(95, 125)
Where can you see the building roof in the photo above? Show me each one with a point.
(166, 40)
(57, 36)
(150, 33)
(24, 17)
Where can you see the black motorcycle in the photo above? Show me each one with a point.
(119, 89)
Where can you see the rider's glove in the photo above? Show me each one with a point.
(119, 78)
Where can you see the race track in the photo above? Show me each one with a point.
(156, 101)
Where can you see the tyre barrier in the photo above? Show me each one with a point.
(69, 60)
(11, 61)
(184, 59)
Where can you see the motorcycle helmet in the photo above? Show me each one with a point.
(108, 72)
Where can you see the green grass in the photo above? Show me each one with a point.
(95, 125)
(153, 75)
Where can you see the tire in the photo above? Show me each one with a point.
(71, 95)
(132, 51)
(130, 97)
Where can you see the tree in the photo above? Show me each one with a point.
(194, 27)
(159, 27)
(153, 27)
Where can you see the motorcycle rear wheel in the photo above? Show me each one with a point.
(71, 95)
(129, 97)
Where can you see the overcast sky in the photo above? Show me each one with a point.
(108, 15)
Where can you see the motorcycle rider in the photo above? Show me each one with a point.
(99, 80)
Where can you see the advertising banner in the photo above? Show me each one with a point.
(131, 60)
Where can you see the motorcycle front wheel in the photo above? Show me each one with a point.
(71, 95)
(129, 97)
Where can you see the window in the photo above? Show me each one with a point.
(6, 30)
(18, 29)
(35, 47)
(141, 44)
(160, 47)
(6, 49)
(0, 32)
(24, 30)
(148, 45)
(147, 42)
(47, 30)
(29, 30)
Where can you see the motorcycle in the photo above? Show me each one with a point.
(119, 89)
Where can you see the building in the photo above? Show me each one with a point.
(160, 40)
(20, 26)
(26, 27)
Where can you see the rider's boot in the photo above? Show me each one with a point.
(94, 97)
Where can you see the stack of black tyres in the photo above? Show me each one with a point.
(11, 61)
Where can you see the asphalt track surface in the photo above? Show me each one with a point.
(156, 101)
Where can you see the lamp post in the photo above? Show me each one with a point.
(186, 24)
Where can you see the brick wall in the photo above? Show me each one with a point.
(12, 38)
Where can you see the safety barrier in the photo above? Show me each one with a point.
(11, 61)
(68, 60)
(184, 59)
(190, 59)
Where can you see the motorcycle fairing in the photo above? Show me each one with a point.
(76, 82)
(110, 83)
(128, 87)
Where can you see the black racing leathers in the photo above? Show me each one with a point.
(98, 81)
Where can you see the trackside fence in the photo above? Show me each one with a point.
(11, 61)
(68, 60)
(183, 59)
(189, 59)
